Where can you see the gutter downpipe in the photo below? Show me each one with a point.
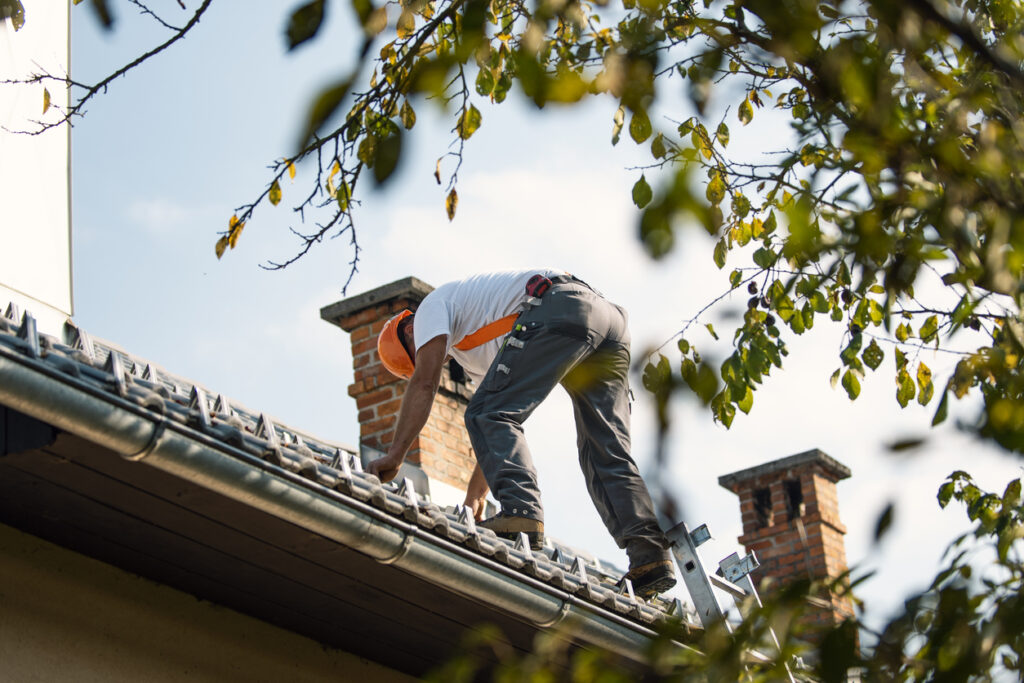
(45, 394)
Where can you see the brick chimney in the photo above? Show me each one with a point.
(790, 516)
(442, 449)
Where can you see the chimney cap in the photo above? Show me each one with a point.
(410, 288)
(834, 469)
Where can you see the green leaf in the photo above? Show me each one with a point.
(468, 123)
(326, 103)
(745, 113)
(387, 153)
(851, 384)
(1011, 496)
(884, 522)
(831, 13)
(942, 411)
(684, 346)
(929, 329)
(903, 332)
(873, 355)
(15, 11)
(945, 493)
(747, 402)
(724, 412)
(642, 193)
(639, 126)
(701, 380)
(764, 257)
(735, 277)
(740, 204)
(905, 388)
(304, 23)
(367, 150)
(711, 330)
(658, 146)
(834, 379)
(343, 195)
(721, 251)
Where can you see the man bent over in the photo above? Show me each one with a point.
(518, 334)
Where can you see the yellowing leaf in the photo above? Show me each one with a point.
(235, 231)
(451, 203)
(745, 113)
(469, 122)
(716, 189)
(437, 172)
(408, 115)
(723, 134)
(291, 170)
(851, 384)
(221, 245)
(406, 23)
(617, 121)
(275, 193)
(343, 196)
(46, 100)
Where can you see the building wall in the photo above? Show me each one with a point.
(35, 195)
(67, 617)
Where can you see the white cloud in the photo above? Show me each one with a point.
(158, 215)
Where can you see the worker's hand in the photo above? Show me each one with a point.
(385, 468)
(476, 505)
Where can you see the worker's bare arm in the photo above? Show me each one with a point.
(416, 404)
(476, 493)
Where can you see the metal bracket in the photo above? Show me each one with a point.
(735, 568)
(697, 582)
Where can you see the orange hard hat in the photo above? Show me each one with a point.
(392, 351)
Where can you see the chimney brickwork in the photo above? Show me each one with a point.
(442, 448)
(790, 515)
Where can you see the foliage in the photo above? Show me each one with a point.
(901, 161)
(963, 628)
(883, 195)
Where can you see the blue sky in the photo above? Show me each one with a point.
(161, 161)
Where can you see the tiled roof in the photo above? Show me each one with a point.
(329, 470)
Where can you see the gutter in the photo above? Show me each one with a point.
(35, 388)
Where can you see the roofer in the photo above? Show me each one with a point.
(518, 334)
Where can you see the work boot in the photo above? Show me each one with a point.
(509, 526)
(652, 578)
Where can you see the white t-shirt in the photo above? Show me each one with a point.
(460, 308)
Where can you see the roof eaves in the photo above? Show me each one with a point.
(144, 411)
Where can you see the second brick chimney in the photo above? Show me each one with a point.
(442, 450)
(790, 516)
